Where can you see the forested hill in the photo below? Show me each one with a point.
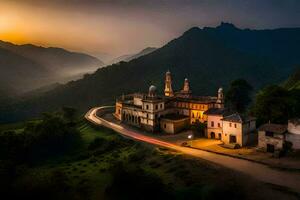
(280, 45)
(293, 82)
(205, 56)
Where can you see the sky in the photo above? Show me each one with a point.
(110, 28)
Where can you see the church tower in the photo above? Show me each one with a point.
(220, 100)
(168, 85)
(186, 92)
(186, 86)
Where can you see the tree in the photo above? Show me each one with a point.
(273, 104)
(198, 129)
(69, 114)
(238, 97)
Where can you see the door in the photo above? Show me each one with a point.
(212, 135)
(270, 148)
(232, 139)
(220, 136)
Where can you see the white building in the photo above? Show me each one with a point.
(294, 133)
(230, 128)
(238, 129)
(215, 123)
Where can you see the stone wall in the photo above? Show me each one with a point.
(173, 126)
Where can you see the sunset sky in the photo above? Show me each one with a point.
(116, 27)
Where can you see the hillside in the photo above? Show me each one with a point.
(293, 82)
(20, 73)
(281, 45)
(26, 67)
(207, 59)
(130, 57)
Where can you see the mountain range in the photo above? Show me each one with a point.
(208, 57)
(27, 67)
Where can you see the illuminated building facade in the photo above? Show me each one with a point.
(169, 113)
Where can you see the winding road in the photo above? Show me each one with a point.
(258, 171)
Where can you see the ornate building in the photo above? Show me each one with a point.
(169, 113)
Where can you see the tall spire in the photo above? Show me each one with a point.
(186, 92)
(220, 99)
(186, 86)
(168, 85)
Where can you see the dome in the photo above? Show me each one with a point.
(220, 90)
(168, 72)
(186, 79)
(152, 90)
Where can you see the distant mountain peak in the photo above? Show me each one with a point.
(130, 57)
(194, 29)
(227, 26)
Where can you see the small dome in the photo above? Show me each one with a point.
(220, 89)
(152, 90)
(186, 79)
(168, 72)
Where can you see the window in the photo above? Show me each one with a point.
(147, 107)
(234, 125)
(147, 116)
(119, 111)
(161, 105)
(156, 107)
(219, 125)
(269, 134)
(230, 124)
(165, 125)
(212, 124)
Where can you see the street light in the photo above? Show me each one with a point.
(191, 137)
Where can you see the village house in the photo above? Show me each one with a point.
(238, 129)
(231, 128)
(271, 137)
(215, 123)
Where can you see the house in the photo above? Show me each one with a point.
(293, 135)
(173, 123)
(271, 137)
(238, 129)
(215, 123)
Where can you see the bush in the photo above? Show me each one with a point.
(50, 136)
(135, 183)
